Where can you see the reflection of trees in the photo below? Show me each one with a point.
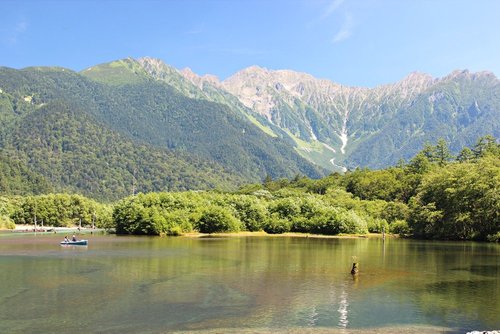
(470, 299)
(300, 281)
(264, 282)
(450, 281)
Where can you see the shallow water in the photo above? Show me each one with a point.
(251, 284)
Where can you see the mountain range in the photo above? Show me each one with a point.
(142, 125)
(343, 127)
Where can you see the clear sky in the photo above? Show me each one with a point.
(352, 42)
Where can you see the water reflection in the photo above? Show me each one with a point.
(126, 284)
(343, 321)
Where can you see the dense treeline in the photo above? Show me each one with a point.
(434, 196)
(7, 207)
(208, 212)
(60, 210)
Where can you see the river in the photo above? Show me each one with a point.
(123, 284)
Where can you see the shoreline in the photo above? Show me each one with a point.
(22, 228)
(288, 234)
(83, 230)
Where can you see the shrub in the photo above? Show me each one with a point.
(400, 227)
(377, 225)
(217, 219)
(493, 237)
(351, 223)
(175, 231)
(176, 223)
(326, 223)
(285, 208)
(395, 211)
(338, 220)
(251, 213)
(276, 225)
(6, 222)
(301, 225)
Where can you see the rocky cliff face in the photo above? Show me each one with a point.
(334, 125)
(197, 80)
(342, 117)
(264, 91)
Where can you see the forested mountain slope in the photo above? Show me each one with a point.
(104, 139)
(164, 109)
(16, 178)
(76, 154)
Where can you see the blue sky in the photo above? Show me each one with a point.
(352, 42)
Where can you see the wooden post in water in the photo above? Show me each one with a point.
(355, 266)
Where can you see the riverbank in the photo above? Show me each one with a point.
(21, 228)
(289, 234)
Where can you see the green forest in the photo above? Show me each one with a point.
(75, 134)
(433, 196)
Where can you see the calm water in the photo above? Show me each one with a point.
(276, 284)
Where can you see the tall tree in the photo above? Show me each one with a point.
(465, 155)
(441, 152)
(484, 145)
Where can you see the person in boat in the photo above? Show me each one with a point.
(73, 238)
(66, 239)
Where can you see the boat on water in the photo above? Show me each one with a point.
(75, 243)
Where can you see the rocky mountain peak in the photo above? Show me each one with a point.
(472, 76)
(150, 62)
(157, 69)
(411, 85)
(198, 80)
(262, 89)
(415, 77)
(458, 73)
(264, 75)
(252, 70)
(188, 73)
